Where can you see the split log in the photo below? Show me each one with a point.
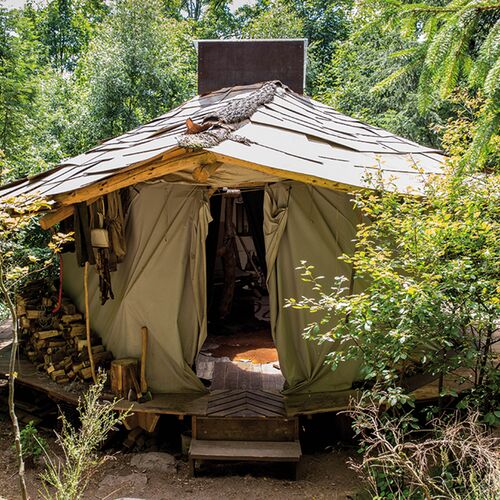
(71, 318)
(54, 349)
(121, 375)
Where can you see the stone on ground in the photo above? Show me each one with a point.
(153, 461)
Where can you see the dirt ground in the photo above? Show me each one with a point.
(323, 475)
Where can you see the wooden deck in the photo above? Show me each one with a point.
(197, 404)
(202, 404)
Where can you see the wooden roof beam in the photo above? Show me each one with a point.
(54, 216)
(158, 168)
(59, 214)
(201, 161)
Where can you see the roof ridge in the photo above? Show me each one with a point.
(218, 126)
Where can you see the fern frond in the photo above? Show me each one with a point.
(440, 45)
(489, 124)
(488, 55)
(447, 76)
(492, 81)
(405, 52)
(395, 76)
(426, 89)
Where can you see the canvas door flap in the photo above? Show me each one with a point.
(160, 284)
(318, 227)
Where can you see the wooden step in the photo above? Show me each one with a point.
(245, 429)
(262, 451)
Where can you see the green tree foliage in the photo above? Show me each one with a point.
(65, 26)
(458, 45)
(16, 214)
(274, 20)
(18, 85)
(325, 24)
(349, 82)
(431, 302)
(218, 22)
(139, 64)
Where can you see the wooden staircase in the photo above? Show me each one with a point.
(245, 426)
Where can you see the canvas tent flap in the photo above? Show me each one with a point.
(160, 284)
(303, 222)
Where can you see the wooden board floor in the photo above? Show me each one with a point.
(241, 403)
(230, 374)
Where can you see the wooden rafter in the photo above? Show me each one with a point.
(166, 164)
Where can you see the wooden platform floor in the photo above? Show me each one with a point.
(196, 404)
(246, 360)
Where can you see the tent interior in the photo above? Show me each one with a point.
(239, 352)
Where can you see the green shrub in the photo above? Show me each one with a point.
(32, 443)
(70, 475)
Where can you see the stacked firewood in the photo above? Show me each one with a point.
(56, 341)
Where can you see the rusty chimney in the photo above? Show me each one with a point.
(225, 63)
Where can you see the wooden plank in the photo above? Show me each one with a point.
(246, 410)
(270, 396)
(246, 429)
(319, 402)
(288, 451)
(262, 399)
(168, 404)
(55, 216)
(246, 403)
(256, 380)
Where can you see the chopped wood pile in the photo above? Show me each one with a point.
(56, 341)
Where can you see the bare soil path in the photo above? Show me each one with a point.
(324, 475)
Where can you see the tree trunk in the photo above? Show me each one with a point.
(12, 379)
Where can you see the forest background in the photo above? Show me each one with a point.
(76, 72)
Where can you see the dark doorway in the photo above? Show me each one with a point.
(239, 352)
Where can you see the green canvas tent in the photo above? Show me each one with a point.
(304, 155)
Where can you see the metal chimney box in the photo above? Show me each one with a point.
(225, 63)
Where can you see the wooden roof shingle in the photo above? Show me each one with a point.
(289, 133)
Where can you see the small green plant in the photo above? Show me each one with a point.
(32, 443)
(69, 476)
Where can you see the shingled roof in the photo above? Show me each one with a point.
(288, 133)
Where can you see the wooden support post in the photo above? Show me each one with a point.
(144, 355)
(87, 320)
